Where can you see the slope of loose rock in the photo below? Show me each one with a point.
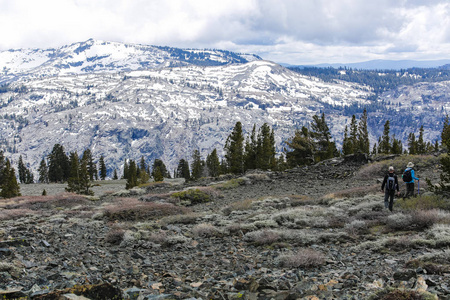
(264, 235)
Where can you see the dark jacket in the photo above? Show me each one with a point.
(386, 178)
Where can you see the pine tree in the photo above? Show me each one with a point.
(374, 149)
(132, 175)
(397, 146)
(197, 165)
(385, 144)
(183, 170)
(158, 163)
(73, 183)
(102, 168)
(363, 134)
(43, 171)
(353, 135)
(213, 164)
(234, 152)
(421, 146)
(302, 147)
(265, 149)
(58, 164)
(10, 187)
(2, 166)
(412, 144)
(91, 166)
(346, 143)
(29, 177)
(281, 163)
(22, 170)
(157, 174)
(115, 176)
(445, 134)
(126, 170)
(85, 178)
(321, 135)
(250, 155)
(143, 164)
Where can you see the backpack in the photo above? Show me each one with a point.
(390, 183)
(407, 177)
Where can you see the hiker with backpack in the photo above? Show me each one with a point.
(409, 177)
(389, 186)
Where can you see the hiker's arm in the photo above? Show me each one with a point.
(413, 175)
(396, 184)
(384, 182)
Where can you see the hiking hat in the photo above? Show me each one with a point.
(391, 168)
(410, 165)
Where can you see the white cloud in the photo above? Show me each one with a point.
(289, 31)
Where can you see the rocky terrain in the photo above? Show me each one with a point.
(317, 232)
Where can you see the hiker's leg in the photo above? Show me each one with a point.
(391, 200)
(386, 199)
(409, 190)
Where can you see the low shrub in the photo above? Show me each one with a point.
(66, 200)
(355, 192)
(262, 237)
(401, 294)
(189, 218)
(115, 236)
(303, 258)
(159, 237)
(196, 195)
(379, 169)
(230, 184)
(130, 209)
(423, 219)
(242, 205)
(357, 227)
(440, 233)
(399, 221)
(424, 202)
(205, 230)
(17, 213)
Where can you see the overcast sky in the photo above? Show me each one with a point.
(285, 31)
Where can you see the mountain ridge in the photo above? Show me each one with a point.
(168, 110)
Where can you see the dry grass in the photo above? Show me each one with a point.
(354, 192)
(242, 205)
(66, 200)
(303, 258)
(17, 213)
(205, 230)
(263, 237)
(379, 169)
(130, 209)
(188, 218)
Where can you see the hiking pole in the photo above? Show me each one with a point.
(418, 187)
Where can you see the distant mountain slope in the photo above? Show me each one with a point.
(98, 56)
(163, 113)
(380, 64)
(127, 101)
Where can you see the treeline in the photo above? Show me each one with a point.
(256, 150)
(379, 80)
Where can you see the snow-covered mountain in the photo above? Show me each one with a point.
(98, 56)
(134, 101)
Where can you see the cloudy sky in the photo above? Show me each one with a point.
(285, 31)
